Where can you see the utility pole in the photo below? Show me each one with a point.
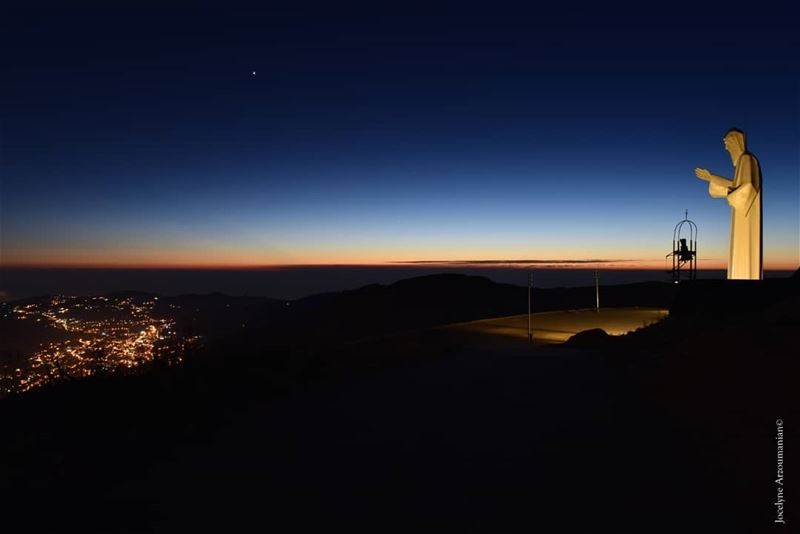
(597, 291)
(530, 284)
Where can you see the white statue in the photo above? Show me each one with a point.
(744, 196)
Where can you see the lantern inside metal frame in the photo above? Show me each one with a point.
(684, 251)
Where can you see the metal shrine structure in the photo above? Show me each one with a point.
(684, 250)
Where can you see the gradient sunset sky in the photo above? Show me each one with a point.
(375, 133)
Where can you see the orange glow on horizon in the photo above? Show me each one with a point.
(405, 253)
(632, 265)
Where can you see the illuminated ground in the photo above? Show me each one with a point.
(559, 326)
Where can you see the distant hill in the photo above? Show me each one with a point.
(433, 300)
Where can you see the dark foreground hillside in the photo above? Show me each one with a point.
(670, 429)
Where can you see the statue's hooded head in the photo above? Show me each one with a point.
(735, 143)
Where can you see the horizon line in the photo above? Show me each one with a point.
(412, 264)
(280, 266)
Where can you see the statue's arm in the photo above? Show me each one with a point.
(721, 181)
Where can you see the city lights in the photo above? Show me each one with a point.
(100, 335)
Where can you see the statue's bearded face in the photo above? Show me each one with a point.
(734, 144)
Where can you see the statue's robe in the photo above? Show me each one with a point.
(744, 197)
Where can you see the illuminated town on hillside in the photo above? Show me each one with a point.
(85, 336)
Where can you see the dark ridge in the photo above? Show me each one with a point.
(130, 293)
(594, 338)
(440, 299)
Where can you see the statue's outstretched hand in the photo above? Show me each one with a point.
(703, 174)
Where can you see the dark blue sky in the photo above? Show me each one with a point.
(375, 133)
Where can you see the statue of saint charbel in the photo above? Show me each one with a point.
(744, 196)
